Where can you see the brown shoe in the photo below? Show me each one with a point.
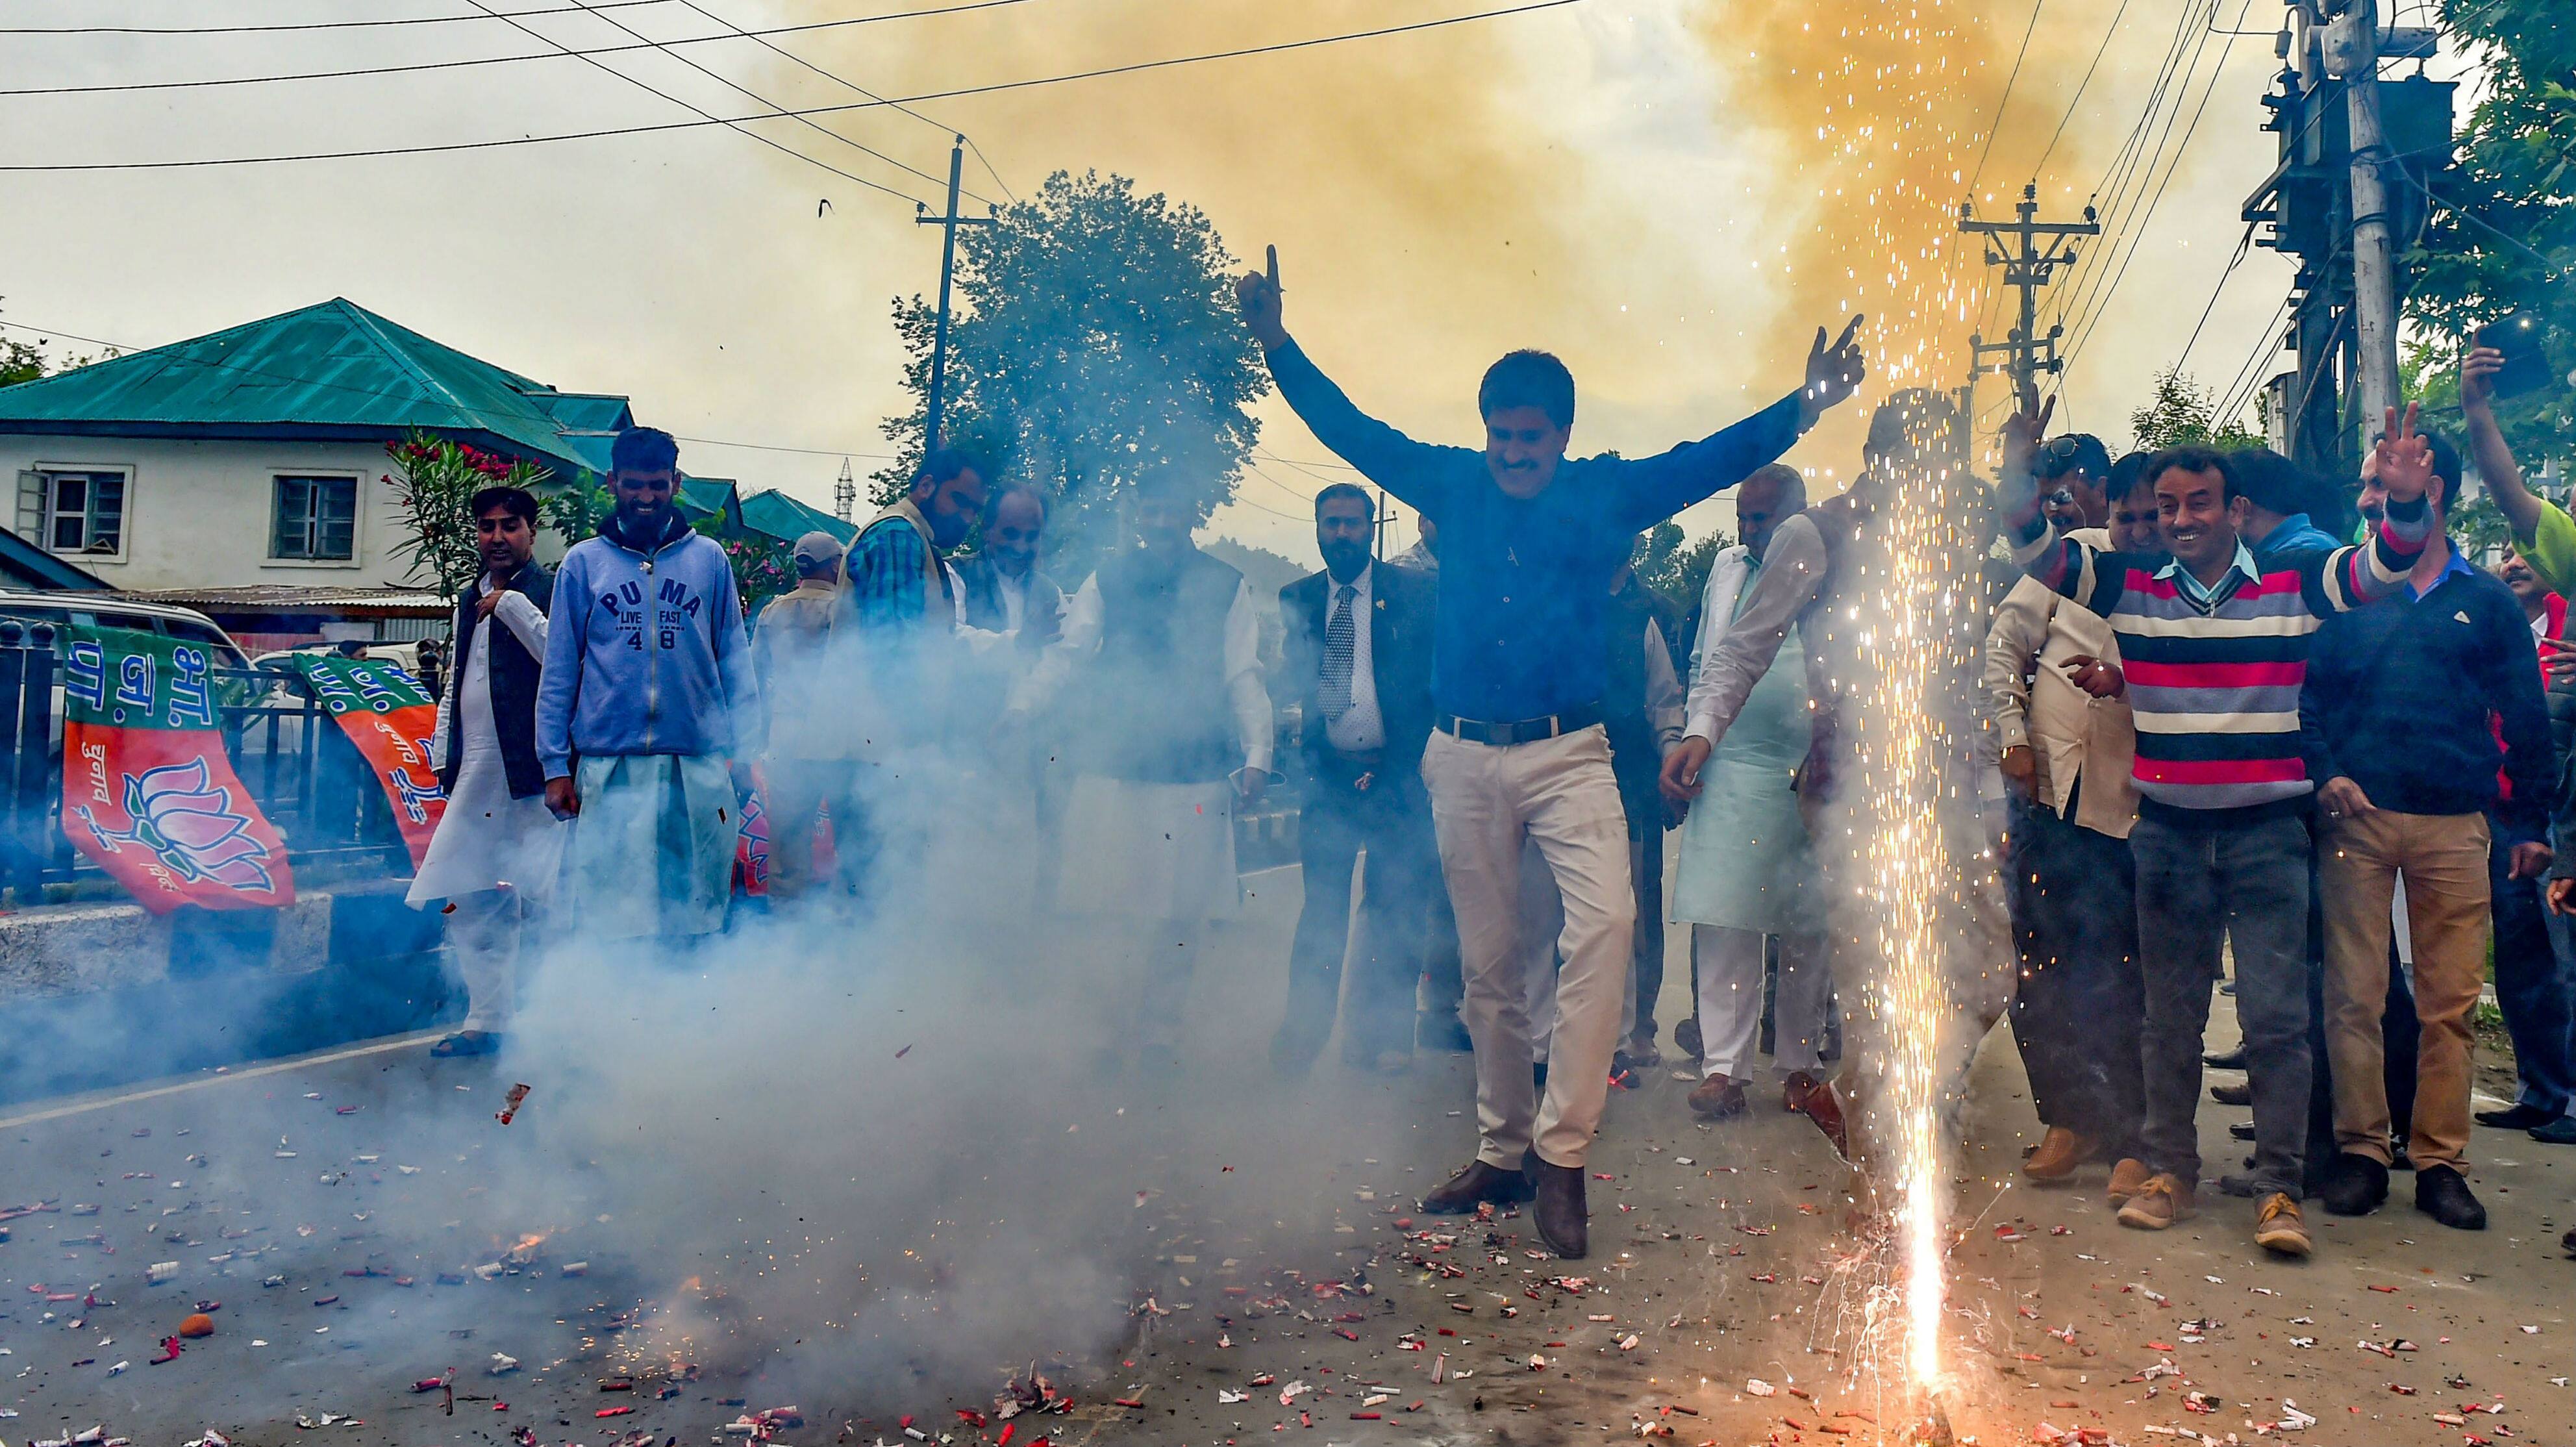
(1717, 1098)
(2159, 1203)
(2060, 1152)
(1814, 1099)
(1564, 1222)
(2278, 1226)
(1479, 1183)
(2128, 1178)
(2232, 1094)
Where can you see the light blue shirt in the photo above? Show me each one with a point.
(2207, 598)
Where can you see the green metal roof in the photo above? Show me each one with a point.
(784, 518)
(324, 372)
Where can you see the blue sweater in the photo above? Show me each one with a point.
(1525, 582)
(644, 662)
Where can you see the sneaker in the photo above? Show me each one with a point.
(2162, 1201)
(2355, 1185)
(2060, 1152)
(1717, 1098)
(2278, 1226)
(2129, 1176)
(2442, 1195)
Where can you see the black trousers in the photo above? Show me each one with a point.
(2076, 1016)
(1646, 851)
(1390, 822)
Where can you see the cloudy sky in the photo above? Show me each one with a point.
(1670, 193)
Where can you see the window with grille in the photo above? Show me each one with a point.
(316, 519)
(73, 510)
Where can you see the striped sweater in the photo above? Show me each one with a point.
(2214, 685)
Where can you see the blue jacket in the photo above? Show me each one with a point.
(645, 661)
(1524, 592)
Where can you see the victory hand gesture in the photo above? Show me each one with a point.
(2405, 458)
(2023, 431)
(1832, 375)
(1257, 296)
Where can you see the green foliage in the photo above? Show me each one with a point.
(434, 481)
(21, 362)
(2502, 237)
(1095, 345)
(763, 567)
(575, 512)
(1674, 569)
(2181, 413)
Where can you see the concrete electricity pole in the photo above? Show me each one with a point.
(2025, 354)
(2352, 55)
(947, 274)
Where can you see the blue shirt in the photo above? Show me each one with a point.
(2297, 533)
(1525, 582)
(2203, 597)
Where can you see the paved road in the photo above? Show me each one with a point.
(892, 1206)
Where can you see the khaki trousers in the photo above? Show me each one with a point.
(2444, 860)
(1558, 794)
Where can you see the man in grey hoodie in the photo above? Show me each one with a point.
(648, 702)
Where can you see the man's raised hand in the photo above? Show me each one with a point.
(2023, 431)
(2405, 458)
(1832, 373)
(1257, 295)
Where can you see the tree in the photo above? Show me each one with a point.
(2181, 413)
(2502, 234)
(1675, 570)
(434, 482)
(1095, 345)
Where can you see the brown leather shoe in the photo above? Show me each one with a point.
(2060, 1152)
(1814, 1099)
(1717, 1098)
(1479, 1183)
(2279, 1228)
(2128, 1178)
(2162, 1201)
(1564, 1222)
(2232, 1094)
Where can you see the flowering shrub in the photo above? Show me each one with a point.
(434, 482)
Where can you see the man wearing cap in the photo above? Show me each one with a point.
(806, 767)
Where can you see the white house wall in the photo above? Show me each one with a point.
(199, 514)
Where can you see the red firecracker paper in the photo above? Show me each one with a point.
(147, 790)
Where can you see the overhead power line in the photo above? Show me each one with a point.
(2080, 87)
(853, 86)
(736, 126)
(1993, 125)
(272, 29)
(993, 88)
(558, 52)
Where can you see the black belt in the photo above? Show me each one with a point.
(1521, 730)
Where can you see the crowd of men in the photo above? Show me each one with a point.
(2203, 730)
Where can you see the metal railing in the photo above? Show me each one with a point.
(291, 757)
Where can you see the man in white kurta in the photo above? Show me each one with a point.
(1155, 686)
(495, 852)
(1747, 873)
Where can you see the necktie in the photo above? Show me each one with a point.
(1340, 640)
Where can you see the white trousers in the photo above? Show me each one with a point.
(1489, 803)
(1729, 966)
(483, 934)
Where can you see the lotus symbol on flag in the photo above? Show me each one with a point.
(187, 821)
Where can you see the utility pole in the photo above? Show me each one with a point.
(845, 493)
(2352, 55)
(2025, 354)
(2346, 138)
(947, 275)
